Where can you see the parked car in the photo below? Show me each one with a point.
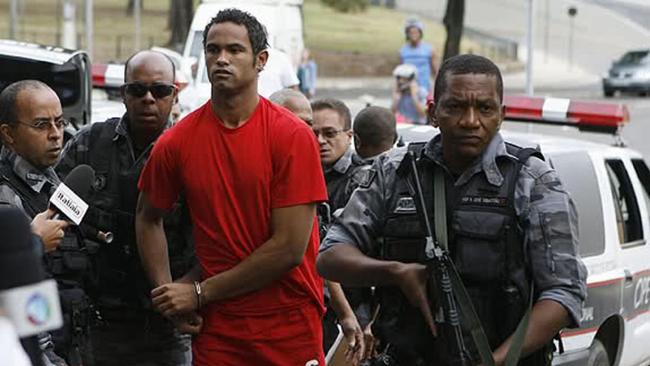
(629, 74)
(610, 185)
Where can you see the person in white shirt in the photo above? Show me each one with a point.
(278, 73)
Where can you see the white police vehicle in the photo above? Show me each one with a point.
(67, 72)
(611, 189)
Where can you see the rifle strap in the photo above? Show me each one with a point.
(470, 318)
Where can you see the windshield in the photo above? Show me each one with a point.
(635, 58)
(64, 79)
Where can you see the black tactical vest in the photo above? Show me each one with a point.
(118, 276)
(67, 265)
(69, 262)
(339, 191)
(486, 246)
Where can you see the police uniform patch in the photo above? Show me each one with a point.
(405, 205)
(485, 201)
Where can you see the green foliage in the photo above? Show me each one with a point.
(347, 6)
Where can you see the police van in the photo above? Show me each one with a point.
(610, 185)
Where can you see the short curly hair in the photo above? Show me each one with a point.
(256, 31)
(466, 64)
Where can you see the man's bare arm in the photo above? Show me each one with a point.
(291, 228)
(347, 264)
(152, 242)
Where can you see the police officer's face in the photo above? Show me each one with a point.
(37, 135)
(468, 113)
(229, 58)
(334, 140)
(149, 92)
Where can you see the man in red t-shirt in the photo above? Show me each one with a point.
(250, 172)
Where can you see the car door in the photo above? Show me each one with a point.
(632, 227)
(584, 179)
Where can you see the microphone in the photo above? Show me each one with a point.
(68, 199)
(29, 301)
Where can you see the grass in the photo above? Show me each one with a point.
(376, 31)
(375, 35)
(40, 22)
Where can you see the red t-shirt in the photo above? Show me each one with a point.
(232, 179)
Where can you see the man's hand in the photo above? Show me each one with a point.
(370, 342)
(354, 338)
(50, 231)
(190, 323)
(412, 280)
(173, 299)
(413, 89)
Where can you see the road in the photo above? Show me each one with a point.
(635, 11)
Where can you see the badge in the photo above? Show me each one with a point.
(405, 205)
(365, 177)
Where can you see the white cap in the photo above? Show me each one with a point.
(405, 71)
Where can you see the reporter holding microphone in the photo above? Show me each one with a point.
(31, 127)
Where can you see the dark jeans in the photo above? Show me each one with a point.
(141, 338)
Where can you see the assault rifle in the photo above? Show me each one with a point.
(439, 265)
(447, 285)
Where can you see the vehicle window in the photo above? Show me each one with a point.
(63, 79)
(627, 210)
(197, 45)
(643, 173)
(635, 58)
(579, 179)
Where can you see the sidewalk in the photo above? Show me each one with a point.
(551, 73)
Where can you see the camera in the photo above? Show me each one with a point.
(404, 74)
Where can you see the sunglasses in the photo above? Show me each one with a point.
(139, 90)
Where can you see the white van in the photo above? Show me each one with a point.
(282, 19)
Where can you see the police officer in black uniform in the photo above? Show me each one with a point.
(32, 123)
(512, 233)
(130, 331)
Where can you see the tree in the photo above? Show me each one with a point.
(453, 22)
(347, 6)
(179, 21)
(131, 7)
